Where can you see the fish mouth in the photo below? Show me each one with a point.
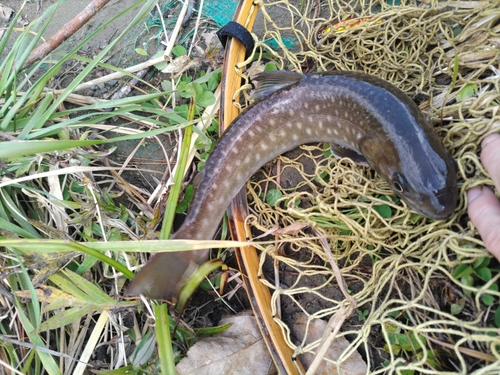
(433, 215)
(446, 211)
(438, 217)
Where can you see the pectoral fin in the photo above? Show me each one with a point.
(344, 152)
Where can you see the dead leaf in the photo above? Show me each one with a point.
(23, 21)
(238, 350)
(354, 365)
(178, 65)
(209, 37)
(292, 229)
(6, 12)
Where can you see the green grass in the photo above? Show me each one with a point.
(68, 244)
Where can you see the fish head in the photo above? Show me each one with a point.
(437, 202)
(426, 181)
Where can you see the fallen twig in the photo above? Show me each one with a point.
(67, 30)
(336, 321)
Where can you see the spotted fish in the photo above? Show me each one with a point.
(361, 116)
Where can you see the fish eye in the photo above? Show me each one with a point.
(398, 187)
(398, 183)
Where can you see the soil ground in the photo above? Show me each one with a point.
(68, 10)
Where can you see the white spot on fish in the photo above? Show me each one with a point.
(228, 168)
(289, 125)
(263, 146)
(295, 137)
(337, 113)
(251, 133)
(336, 131)
(320, 124)
(247, 159)
(318, 108)
(308, 131)
(299, 125)
(358, 136)
(306, 105)
(272, 137)
(220, 201)
(291, 112)
(282, 133)
(272, 122)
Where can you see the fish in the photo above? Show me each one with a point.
(361, 116)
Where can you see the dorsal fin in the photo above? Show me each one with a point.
(272, 81)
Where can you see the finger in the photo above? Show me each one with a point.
(484, 212)
(490, 157)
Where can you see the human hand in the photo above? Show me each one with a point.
(484, 206)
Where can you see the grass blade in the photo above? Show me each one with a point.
(165, 352)
(173, 197)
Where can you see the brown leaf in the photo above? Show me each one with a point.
(354, 365)
(6, 12)
(238, 350)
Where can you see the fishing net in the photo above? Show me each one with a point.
(426, 303)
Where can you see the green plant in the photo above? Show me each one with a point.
(408, 345)
(362, 314)
(476, 276)
(384, 210)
